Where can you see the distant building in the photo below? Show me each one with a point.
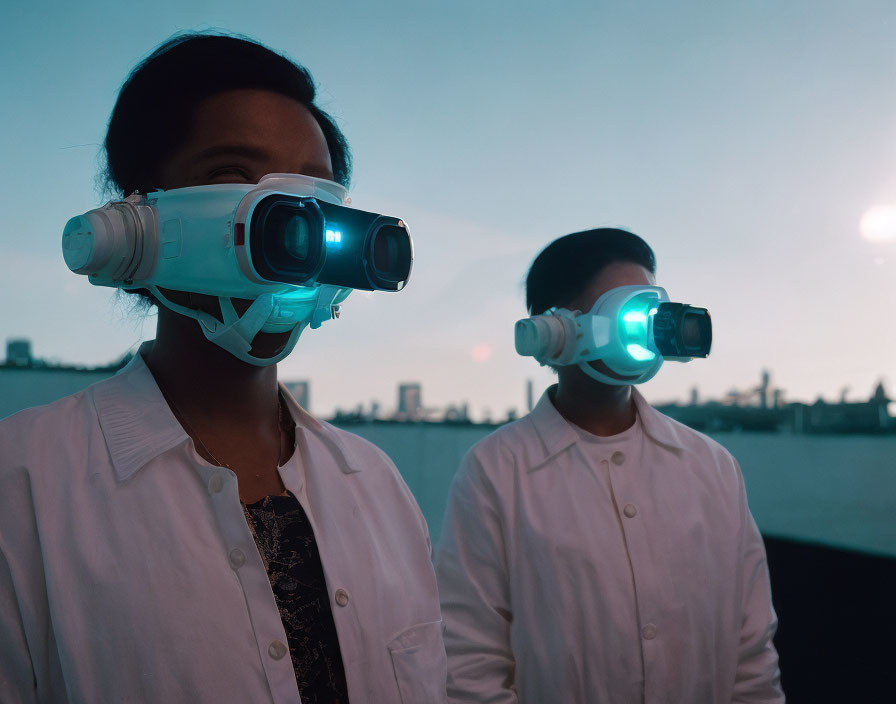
(26, 382)
(763, 390)
(457, 414)
(18, 352)
(762, 409)
(410, 405)
(857, 417)
(716, 417)
(301, 392)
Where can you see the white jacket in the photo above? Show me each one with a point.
(128, 572)
(573, 571)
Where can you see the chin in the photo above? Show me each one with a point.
(269, 344)
(604, 369)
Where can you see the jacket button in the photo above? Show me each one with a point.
(237, 558)
(216, 483)
(618, 458)
(341, 597)
(277, 650)
(630, 510)
(649, 632)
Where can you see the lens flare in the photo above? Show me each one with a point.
(481, 353)
(879, 224)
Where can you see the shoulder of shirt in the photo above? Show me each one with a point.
(511, 444)
(45, 428)
(361, 448)
(376, 465)
(517, 443)
(509, 436)
(698, 443)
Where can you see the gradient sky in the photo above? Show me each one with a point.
(744, 141)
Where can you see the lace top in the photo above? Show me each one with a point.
(289, 551)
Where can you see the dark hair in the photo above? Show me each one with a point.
(153, 114)
(565, 267)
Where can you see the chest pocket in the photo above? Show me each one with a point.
(420, 663)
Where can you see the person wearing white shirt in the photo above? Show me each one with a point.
(596, 550)
(184, 531)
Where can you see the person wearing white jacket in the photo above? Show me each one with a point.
(596, 550)
(184, 531)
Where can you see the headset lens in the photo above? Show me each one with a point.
(286, 239)
(691, 332)
(696, 332)
(681, 330)
(297, 238)
(391, 253)
(365, 250)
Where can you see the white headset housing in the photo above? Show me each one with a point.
(188, 239)
(616, 331)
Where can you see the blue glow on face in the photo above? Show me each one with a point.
(334, 236)
(640, 353)
(298, 294)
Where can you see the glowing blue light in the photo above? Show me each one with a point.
(635, 316)
(297, 294)
(640, 353)
(334, 236)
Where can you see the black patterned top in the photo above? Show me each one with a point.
(289, 551)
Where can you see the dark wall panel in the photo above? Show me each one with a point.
(837, 623)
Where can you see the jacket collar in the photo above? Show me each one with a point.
(349, 460)
(138, 425)
(556, 433)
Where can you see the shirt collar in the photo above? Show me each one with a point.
(556, 434)
(350, 461)
(138, 425)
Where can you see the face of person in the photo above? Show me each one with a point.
(238, 136)
(612, 276)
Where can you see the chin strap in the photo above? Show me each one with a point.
(237, 332)
(600, 376)
(327, 305)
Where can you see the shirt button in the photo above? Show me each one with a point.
(277, 650)
(649, 632)
(618, 457)
(216, 483)
(341, 597)
(630, 510)
(237, 558)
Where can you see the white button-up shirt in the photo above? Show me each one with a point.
(128, 572)
(620, 570)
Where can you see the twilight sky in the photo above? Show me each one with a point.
(752, 144)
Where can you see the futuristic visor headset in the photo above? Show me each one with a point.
(293, 240)
(229, 239)
(290, 244)
(631, 329)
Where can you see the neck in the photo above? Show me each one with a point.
(205, 381)
(600, 409)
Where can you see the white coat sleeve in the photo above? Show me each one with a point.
(16, 673)
(758, 679)
(471, 568)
